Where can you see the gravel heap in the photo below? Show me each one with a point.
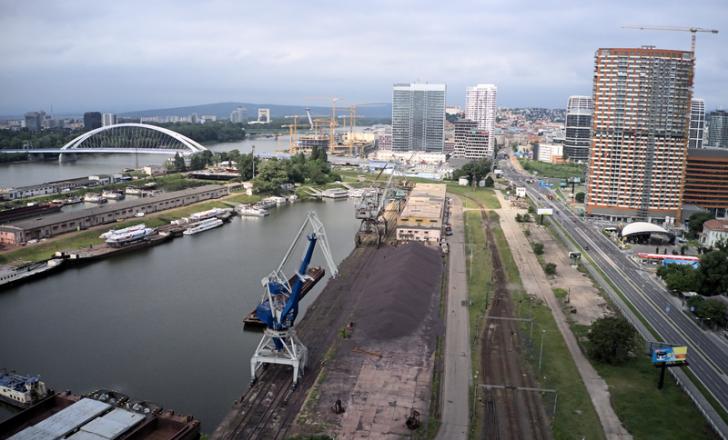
(401, 291)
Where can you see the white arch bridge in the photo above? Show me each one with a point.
(124, 138)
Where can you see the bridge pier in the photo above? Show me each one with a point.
(67, 157)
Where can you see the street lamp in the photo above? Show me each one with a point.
(540, 351)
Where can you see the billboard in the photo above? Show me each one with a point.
(670, 355)
(520, 192)
(545, 211)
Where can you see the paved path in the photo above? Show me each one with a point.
(457, 377)
(536, 283)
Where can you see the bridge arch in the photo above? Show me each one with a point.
(133, 138)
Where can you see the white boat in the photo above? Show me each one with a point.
(292, 198)
(335, 193)
(19, 390)
(133, 191)
(94, 198)
(251, 211)
(266, 204)
(275, 199)
(117, 240)
(113, 232)
(214, 212)
(204, 225)
(113, 195)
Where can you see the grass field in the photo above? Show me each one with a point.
(558, 171)
(575, 415)
(486, 196)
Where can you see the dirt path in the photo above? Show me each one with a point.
(536, 283)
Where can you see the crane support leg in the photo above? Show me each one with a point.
(282, 348)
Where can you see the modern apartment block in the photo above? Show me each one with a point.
(91, 120)
(577, 140)
(640, 133)
(108, 119)
(706, 181)
(418, 117)
(471, 142)
(718, 129)
(697, 124)
(480, 107)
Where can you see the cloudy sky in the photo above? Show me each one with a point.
(132, 55)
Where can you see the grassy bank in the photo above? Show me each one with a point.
(575, 415)
(559, 171)
(84, 239)
(486, 196)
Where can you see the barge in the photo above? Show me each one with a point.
(21, 391)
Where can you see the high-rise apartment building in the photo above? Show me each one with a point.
(718, 129)
(640, 133)
(577, 139)
(480, 107)
(91, 120)
(34, 120)
(108, 119)
(471, 142)
(239, 115)
(418, 117)
(697, 123)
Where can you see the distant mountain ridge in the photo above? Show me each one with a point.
(223, 110)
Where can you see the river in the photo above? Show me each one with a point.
(163, 324)
(28, 173)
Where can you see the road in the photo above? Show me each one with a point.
(457, 374)
(708, 360)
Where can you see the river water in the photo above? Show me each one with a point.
(29, 173)
(163, 324)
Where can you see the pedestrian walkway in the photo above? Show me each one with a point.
(535, 282)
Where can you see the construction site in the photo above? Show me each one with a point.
(360, 363)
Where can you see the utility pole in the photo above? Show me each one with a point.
(253, 156)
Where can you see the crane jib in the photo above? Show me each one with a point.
(292, 303)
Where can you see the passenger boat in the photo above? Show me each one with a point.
(21, 391)
(113, 195)
(119, 240)
(335, 193)
(130, 190)
(13, 276)
(204, 225)
(214, 212)
(94, 198)
(251, 211)
(113, 232)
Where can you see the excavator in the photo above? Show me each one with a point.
(278, 308)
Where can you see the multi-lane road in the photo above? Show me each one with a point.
(707, 357)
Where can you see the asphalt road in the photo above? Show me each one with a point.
(708, 359)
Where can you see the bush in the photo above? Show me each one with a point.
(611, 339)
(537, 248)
(579, 197)
(549, 269)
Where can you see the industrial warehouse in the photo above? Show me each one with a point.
(49, 226)
(421, 219)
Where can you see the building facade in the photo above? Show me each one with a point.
(418, 117)
(577, 137)
(550, 153)
(239, 115)
(34, 120)
(714, 232)
(480, 106)
(718, 129)
(422, 217)
(697, 124)
(91, 120)
(108, 119)
(471, 142)
(639, 133)
(706, 180)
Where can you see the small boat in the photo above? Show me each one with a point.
(214, 212)
(21, 391)
(251, 211)
(113, 195)
(150, 185)
(73, 200)
(130, 190)
(94, 198)
(266, 204)
(119, 240)
(204, 225)
(113, 232)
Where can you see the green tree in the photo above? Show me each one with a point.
(695, 223)
(611, 339)
(579, 197)
(549, 269)
(272, 175)
(179, 163)
(475, 170)
(319, 153)
(537, 248)
(680, 277)
(711, 311)
(714, 273)
(245, 165)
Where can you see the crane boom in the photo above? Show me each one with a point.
(692, 30)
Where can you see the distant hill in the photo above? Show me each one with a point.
(223, 110)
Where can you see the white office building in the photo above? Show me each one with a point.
(697, 123)
(418, 117)
(108, 119)
(480, 107)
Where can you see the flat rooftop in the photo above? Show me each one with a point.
(424, 207)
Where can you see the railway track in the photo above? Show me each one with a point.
(509, 413)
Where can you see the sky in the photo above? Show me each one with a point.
(129, 55)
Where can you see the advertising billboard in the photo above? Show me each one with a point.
(545, 211)
(670, 355)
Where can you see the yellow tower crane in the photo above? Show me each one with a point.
(293, 133)
(692, 30)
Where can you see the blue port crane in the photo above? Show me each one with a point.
(278, 307)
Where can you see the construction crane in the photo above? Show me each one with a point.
(278, 308)
(370, 210)
(293, 132)
(693, 31)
